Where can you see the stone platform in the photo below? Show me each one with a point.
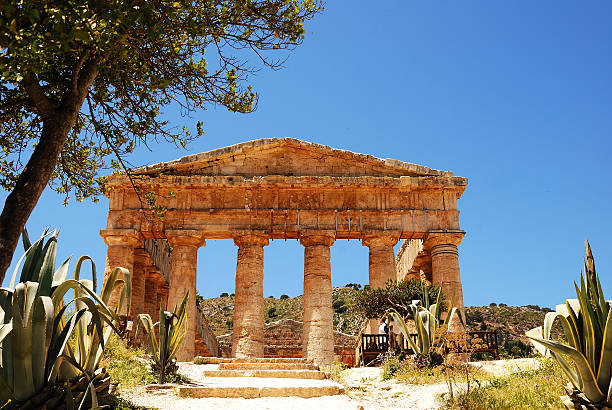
(259, 377)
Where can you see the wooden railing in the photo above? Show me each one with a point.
(484, 341)
(370, 346)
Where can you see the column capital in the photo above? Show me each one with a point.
(185, 237)
(121, 237)
(436, 238)
(380, 239)
(250, 238)
(314, 238)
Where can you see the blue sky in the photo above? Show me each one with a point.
(515, 96)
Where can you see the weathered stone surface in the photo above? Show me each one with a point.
(151, 294)
(290, 374)
(318, 333)
(286, 156)
(286, 188)
(121, 244)
(283, 343)
(268, 366)
(185, 244)
(138, 283)
(407, 258)
(248, 302)
(381, 263)
(160, 252)
(445, 264)
(205, 334)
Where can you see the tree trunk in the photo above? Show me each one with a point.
(31, 183)
(57, 123)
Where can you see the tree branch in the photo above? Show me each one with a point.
(77, 70)
(43, 104)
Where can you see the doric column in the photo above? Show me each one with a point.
(423, 262)
(121, 244)
(318, 331)
(185, 244)
(382, 257)
(151, 306)
(381, 262)
(138, 283)
(162, 295)
(248, 336)
(445, 264)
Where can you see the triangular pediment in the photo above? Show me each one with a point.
(287, 157)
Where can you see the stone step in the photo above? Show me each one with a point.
(268, 366)
(250, 388)
(219, 360)
(290, 374)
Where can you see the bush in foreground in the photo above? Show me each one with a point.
(535, 389)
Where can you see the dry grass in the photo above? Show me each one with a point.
(537, 389)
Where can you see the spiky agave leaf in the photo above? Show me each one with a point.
(589, 383)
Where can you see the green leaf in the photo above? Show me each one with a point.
(589, 383)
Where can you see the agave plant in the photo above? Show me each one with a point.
(430, 327)
(171, 330)
(38, 366)
(587, 324)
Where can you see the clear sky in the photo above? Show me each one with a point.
(515, 96)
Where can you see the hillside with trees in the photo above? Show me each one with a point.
(510, 322)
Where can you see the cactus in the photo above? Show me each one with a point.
(428, 322)
(172, 328)
(38, 366)
(587, 324)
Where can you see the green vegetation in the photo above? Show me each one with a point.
(126, 364)
(586, 357)
(39, 365)
(172, 327)
(509, 322)
(537, 389)
(83, 83)
(431, 330)
(374, 303)
(219, 311)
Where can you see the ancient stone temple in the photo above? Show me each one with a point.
(281, 188)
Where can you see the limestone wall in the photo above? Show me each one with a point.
(283, 338)
(406, 257)
(160, 252)
(205, 333)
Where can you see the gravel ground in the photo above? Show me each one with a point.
(364, 390)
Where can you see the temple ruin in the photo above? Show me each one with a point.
(281, 188)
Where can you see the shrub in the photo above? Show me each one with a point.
(502, 305)
(224, 295)
(514, 348)
(283, 297)
(374, 303)
(272, 312)
(492, 304)
(391, 366)
(538, 389)
(339, 306)
(172, 327)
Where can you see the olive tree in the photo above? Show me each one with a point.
(84, 82)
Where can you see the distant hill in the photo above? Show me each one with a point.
(219, 311)
(510, 322)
